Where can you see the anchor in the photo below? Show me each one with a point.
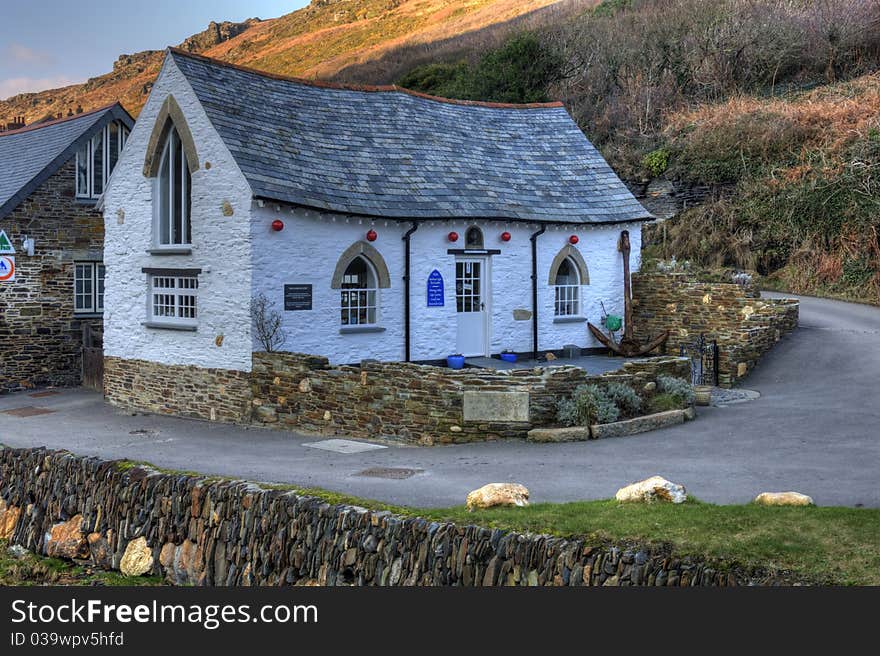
(628, 346)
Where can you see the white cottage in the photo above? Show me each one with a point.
(383, 223)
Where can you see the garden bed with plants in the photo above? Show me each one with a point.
(616, 409)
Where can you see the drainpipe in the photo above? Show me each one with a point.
(406, 276)
(534, 240)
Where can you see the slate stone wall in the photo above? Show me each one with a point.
(40, 337)
(182, 390)
(745, 325)
(198, 531)
(413, 403)
(418, 403)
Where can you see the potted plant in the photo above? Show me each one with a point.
(455, 361)
(508, 356)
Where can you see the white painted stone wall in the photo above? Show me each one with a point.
(221, 246)
(241, 256)
(307, 250)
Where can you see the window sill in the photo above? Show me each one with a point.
(169, 326)
(569, 319)
(347, 330)
(88, 315)
(182, 250)
(83, 200)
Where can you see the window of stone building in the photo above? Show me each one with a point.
(97, 158)
(173, 194)
(568, 289)
(88, 287)
(473, 238)
(174, 299)
(359, 294)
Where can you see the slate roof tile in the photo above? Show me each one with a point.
(397, 154)
(30, 155)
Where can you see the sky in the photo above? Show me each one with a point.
(54, 43)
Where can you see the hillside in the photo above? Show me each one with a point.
(317, 41)
(757, 120)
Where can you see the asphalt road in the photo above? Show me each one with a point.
(815, 429)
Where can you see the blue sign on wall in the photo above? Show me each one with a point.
(435, 289)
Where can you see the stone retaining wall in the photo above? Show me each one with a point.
(419, 403)
(745, 325)
(185, 391)
(199, 531)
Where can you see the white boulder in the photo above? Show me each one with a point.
(652, 489)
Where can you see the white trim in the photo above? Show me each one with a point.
(176, 296)
(95, 306)
(89, 150)
(167, 160)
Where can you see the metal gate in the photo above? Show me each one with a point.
(703, 355)
(92, 358)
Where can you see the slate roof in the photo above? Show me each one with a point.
(30, 155)
(389, 152)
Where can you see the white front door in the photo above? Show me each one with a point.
(472, 305)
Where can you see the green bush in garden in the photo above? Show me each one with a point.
(625, 398)
(590, 404)
(678, 388)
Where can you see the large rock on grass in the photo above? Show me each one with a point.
(652, 489)
(783, 499)
(498, 494)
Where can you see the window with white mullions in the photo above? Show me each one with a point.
(468, 295)
(173, 199)
(88, 287)
(174, 299)
(359, 295)
(568, 290)
(96, 160)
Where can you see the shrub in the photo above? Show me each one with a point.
(588, 405)
(567, 412)
(678, 388)
(624, 397)
(656, 162)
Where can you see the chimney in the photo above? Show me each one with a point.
(16, 123)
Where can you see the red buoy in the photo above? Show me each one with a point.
(453, 236)
(505, 236)
(573, 239)
(277, 225)
(372, 235)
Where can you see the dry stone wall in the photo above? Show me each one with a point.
(423, 404)
(745, 325)
(181, 390)
(198, 531)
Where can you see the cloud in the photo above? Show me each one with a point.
(21, 54)
(15, 85)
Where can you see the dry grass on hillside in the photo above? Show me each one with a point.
(827, 119)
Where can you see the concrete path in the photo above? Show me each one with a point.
(815, 429)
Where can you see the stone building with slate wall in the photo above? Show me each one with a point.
(381, 223)
(51, 175)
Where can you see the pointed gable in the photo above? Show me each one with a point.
(30, 155)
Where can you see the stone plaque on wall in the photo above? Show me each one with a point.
(297, 297)
(496, 406)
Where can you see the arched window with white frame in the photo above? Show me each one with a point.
(568, 290)
(173, 194)
(359, 294)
